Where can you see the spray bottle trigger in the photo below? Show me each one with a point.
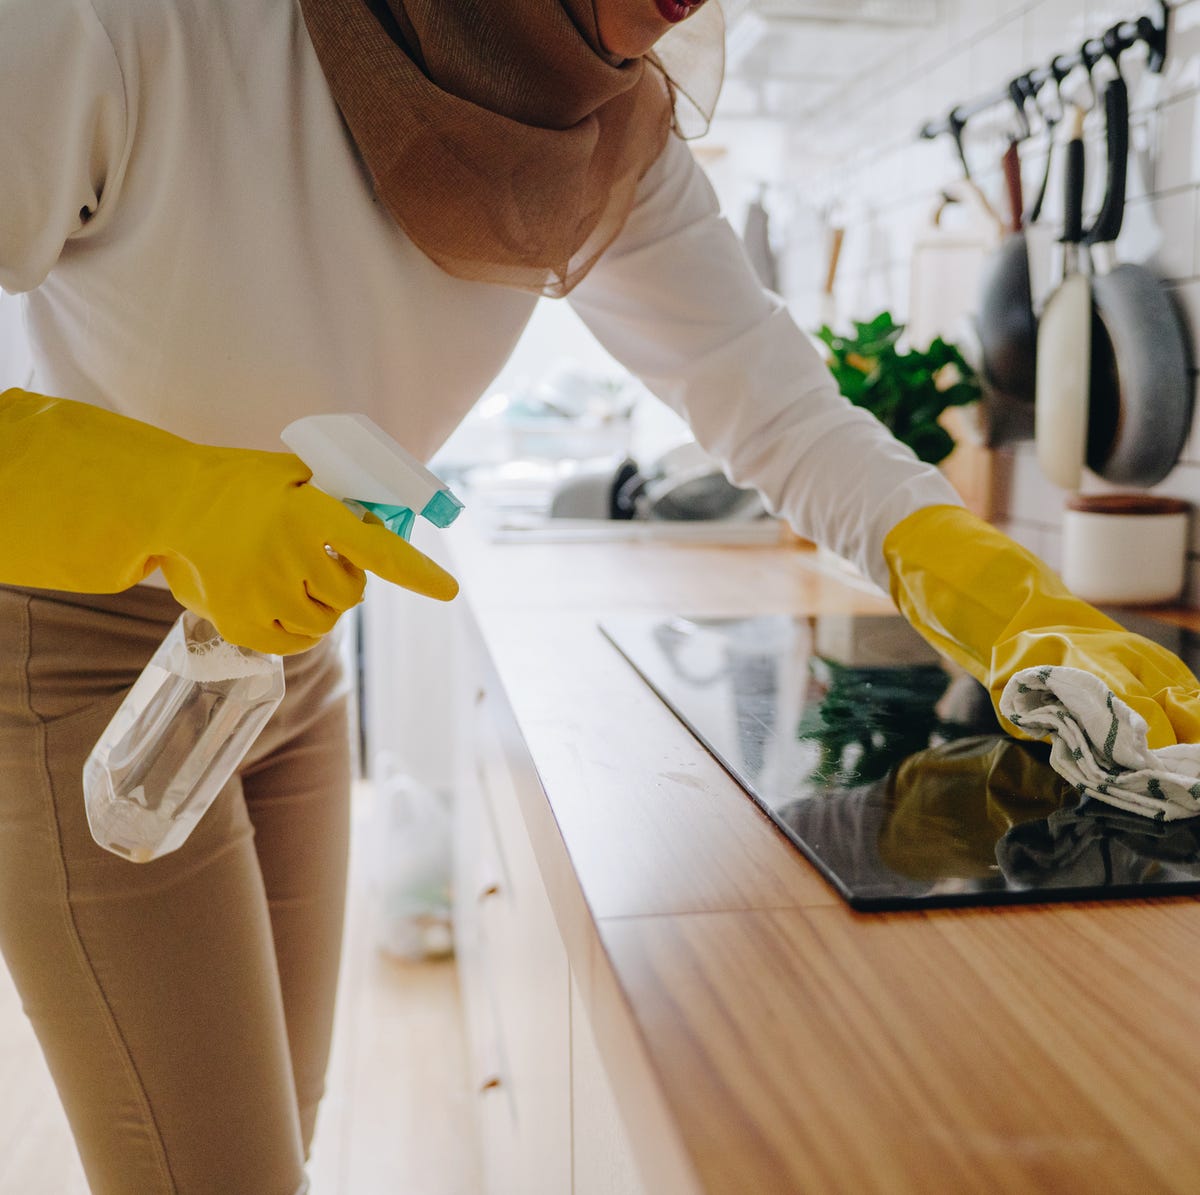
(398, 519)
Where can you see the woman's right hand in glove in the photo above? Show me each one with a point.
(93, 502)
(996, 609)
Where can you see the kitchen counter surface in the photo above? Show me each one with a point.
(760, 1036)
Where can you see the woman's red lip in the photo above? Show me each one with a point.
(676, 10)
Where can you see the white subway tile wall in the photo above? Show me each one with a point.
(884, 189)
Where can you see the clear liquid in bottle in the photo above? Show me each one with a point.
(176, 739)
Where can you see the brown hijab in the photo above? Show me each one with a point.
(500, 135)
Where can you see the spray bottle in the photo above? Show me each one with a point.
(200, 703)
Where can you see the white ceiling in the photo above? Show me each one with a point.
(788, 58)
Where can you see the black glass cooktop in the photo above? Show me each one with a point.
(890, 772)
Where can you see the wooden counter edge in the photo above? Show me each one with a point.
(663, 1160)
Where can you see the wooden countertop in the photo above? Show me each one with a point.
(761, 1036)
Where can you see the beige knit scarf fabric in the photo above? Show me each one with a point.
(499, 134)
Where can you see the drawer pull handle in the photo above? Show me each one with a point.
(489, 1084)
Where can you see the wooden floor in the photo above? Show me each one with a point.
(398, 1118)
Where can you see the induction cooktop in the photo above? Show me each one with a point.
(888, 769)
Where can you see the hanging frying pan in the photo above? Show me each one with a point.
(1064, 342)
(1007, 310)
(1007, 325)
(1140, 402)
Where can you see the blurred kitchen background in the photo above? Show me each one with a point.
(817, 154)
(818, 157)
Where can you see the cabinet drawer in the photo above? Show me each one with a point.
(517, 965)
(477, 879)
(499, 1145)
(496, 742)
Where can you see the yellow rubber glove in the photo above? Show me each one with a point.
(995, 608)
(93, 502)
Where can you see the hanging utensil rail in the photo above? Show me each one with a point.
(1112, 44)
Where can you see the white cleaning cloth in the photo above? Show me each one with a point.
(1098, 744)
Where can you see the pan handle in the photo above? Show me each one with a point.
(1073, 188)
(837, 235)
(1116, 111)
(1050, 118)
(1012, 179)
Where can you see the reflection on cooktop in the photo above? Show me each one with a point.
(889, 770)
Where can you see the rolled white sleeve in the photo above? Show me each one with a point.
(62, 132)
(676, 300)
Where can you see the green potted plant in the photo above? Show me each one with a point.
(907, 391)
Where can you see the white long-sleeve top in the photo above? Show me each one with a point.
(197, 245)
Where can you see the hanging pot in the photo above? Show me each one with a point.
(1007, 327)
(1140, 394)
(1008, 299)
(1064, 343)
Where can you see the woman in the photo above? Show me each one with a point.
(225, 216)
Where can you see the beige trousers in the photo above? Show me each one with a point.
(184, 1006)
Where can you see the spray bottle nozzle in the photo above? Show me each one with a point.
(441, 510)
(354, 459)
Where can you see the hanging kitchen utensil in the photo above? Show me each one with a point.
(1011, 167)
(1064, 342)
(828, 313)
(1103, 383)
(1007, 327)
(1050, 118)
(949, 255)
(756, 235)
(1140, 393)
(1008, 302)
(1039, 236)
(958, 124)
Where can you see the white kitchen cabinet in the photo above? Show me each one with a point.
(547, 1118)
(602, 1160)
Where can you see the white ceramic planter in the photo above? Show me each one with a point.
(1125, 549)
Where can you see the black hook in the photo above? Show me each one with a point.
(956, 122)
(1032, 89)
(1048, 115)
(1057, 74)
(1019, 92)
(1089, 57)
(1155, 37)
(1061, 67)
(1114, 46)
